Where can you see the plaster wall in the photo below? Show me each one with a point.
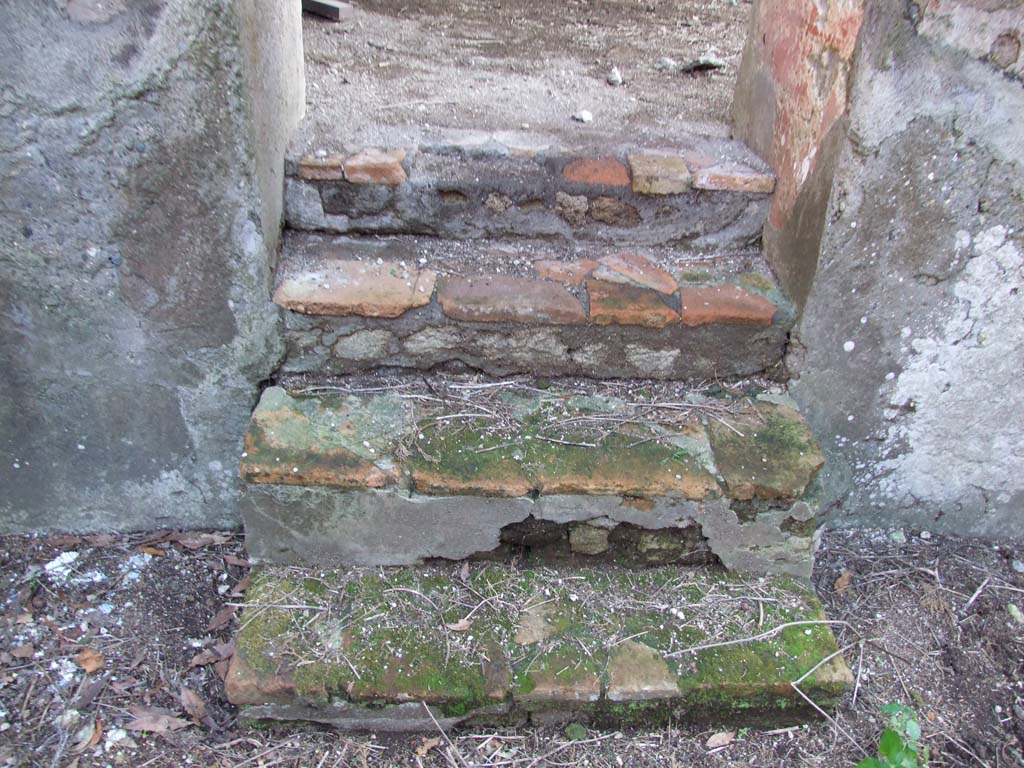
(911, 346)
(141, 149)
(898, 232)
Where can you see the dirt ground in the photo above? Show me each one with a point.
(96, 648)
(486, 65)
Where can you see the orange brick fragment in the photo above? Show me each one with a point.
(330, 168)
(502, 299)
(568, 272)
(725, 304)
(732, 177)
(615, 304)
(376, 166)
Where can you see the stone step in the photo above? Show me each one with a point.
(490, 644)
(401, 471)
(705, 193)
(527, 307)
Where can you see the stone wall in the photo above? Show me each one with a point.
(141, 150)
(908, 355)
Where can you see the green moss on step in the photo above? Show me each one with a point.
(756, 281)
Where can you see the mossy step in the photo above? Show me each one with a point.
(528, 442)
(400, 649)
(405, 473)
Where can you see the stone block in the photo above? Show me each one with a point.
(659, 174)
(614, 212)
(342, 287)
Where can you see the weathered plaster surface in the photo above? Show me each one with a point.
(909, 352)
(135, 232)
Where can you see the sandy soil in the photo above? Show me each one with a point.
(488, 65)
(928, 617)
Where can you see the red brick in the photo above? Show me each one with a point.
(725, 304)
(633, 269)
(375, 166)
(568, 272)
(322, 168)
(348, 287)
(502, 299)
(732, 177)
(603, 171)
(615, 304)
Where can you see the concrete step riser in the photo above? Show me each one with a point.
(705, 199)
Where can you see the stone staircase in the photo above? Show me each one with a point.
(527, 457)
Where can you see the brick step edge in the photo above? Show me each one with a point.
(371, 650)
(705, 192)
(357, 304)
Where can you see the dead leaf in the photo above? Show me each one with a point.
(139, 658)
(221, 668)
(90, 660)
(203, 658)
(63, 541)
(932, 717)
(464, 572)
(84, 737)
(193, 704)
(199, 540)
(720, 739)
(23, 652)
(221, 618)
(88, 693)
(97, 733)
(122, 686)
(842, 584)
(462, 625)
(100, 540)
(426, 745)
(239, 589)
(241, 562)
(155, 720)
(219, 652)
(153, 551)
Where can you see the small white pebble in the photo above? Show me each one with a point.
(849, 346)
